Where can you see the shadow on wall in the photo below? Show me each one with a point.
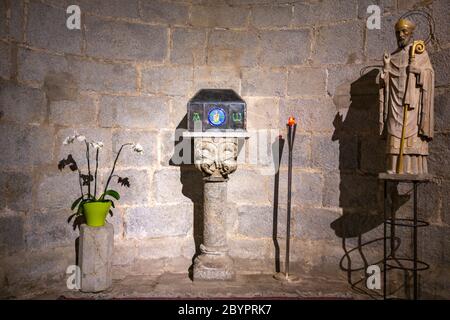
(361, 158)
(277, 154)
(192, 181)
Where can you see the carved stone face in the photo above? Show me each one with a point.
(216, 156)
(404, 36)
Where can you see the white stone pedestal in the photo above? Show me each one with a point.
(95, 255)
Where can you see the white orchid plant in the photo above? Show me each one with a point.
(85, 180)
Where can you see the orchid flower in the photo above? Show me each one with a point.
(96, 145)
(137, 148)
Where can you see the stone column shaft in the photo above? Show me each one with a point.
(215, 216)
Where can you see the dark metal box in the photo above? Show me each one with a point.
(217, 110)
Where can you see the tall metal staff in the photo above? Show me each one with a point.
(292, 126)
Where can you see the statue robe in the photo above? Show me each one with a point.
(416, 90)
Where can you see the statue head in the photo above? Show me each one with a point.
(404, 30)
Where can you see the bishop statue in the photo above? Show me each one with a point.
(406, 103)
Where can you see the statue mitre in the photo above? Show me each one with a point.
(405, 24)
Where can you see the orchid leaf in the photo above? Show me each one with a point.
(75, 203)
(111, 193)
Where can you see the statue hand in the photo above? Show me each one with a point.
(386, 59)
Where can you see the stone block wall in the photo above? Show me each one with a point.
(127, 76)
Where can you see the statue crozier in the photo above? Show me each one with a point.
(406, 103)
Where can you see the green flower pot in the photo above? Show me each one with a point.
(96, 212)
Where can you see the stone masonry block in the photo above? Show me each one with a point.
(44, 20)
(441, 63)
(112, 8)
(332, 155)
(263, 82)
(73, 113)
(178, 111)
(96, 254)
(261, 149)
(134, 112)
(163, 12)
(188, 46)
(306, 81)
(16, 188)
(34, 266)
(306, 188)
(216, 77)
(139, 192)
(219, 16)
(356, 191)
(301, 155)
(445, 210)
(271, 16)
(89, 75)
(34, 66)
(435, 244)
(125, 253)
(50, 229)
(385, 6)
(295, 44)
(442, 112)
(237, 48)
(438, 160)
(3, 20)
(23, 146)
(161, 248)
(346, 40)
(372, 154)
(322, 12)
(248, 248)
(168, 139)
(104, 77)
(21, 104)
(248, 186)
(331, 190)
(106, 8)
(441, 11)
(432, 201)
(314, 223)
(59, 86)
(5, 60)
(16, 20)
(175, 81)
(312, 115)
(262, 113)
(123, 40)
(175, 186)
(340, 79)
(258, 221)
(11, 233)
(158, 221)
(58, 190)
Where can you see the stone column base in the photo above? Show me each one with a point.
(213, 267)
(95, 254)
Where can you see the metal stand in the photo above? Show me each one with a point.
(291, 137)
(391, 260)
